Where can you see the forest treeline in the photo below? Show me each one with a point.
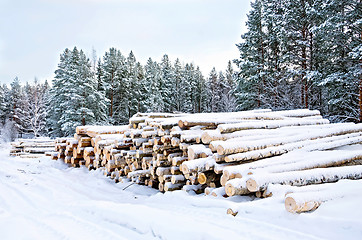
(113, 88)
(294, 54)
(303, 54)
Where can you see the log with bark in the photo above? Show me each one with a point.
(306, 200)
(305, 177)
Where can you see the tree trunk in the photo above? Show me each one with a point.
(360, 90)
(111, 110)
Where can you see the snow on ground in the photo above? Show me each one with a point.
(45, 199)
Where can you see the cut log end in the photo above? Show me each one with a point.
(220, 150)
(223, 180)
(231, 212)
(229, 190)
(181, 123)
(252, 185)
(202, 178)
(292, 206)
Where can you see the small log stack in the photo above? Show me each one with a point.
(32, 148)
(220, 154)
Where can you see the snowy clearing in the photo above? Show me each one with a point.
(45, 199)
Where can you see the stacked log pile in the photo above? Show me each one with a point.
(220, 154)
(32, 148)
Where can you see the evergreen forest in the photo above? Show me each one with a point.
(294, 54)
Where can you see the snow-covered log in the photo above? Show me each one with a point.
(210, 123)
(173, 155)
(325, 143)
(214, 135)
(218, 192)
(236, 186)
(215, 119)
(269, 124)
(196, 165)
(297, 160)
(208, 177)
(178, 179)
(238, 145)
(82, 130)
(97, 130)
(160, 171)
(194, 188)
(259, 182)
(305, 201)
(138, 173)
(177, 161)
(168, 186)
(40, 150)
(312, 160)
(208, 190)
(36, 155)
(198, 151)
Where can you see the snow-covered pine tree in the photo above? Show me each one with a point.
(178, 88)
(302, 54)
(274, 80)
(101, 112)
(131, 86)
(33, 115)
(168, 84)
(89, 99)
(198, 89)
(114, 72)
(221, 90)
(251, 75)
(200, 101)
(8, 130)
(215, 91)
(72, 94)
(228, 100)
(153, 79)
(3, 104)
(58, 97)
(299, 48)
(187, 84)
(23, 113)
(15, 103)
(141, 91)
(74, 98)
(340, 37)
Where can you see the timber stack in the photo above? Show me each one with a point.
(220, 154)
(32, 148)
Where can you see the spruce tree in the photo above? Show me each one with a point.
(3, 105)
(114, 72)
(58, 99)
(252, 75)
(214, 91)
(153, 78)
(15, 104)
(33, 115)
(341, 69)
(168, 84)
(131, 86)
(178, 88)
(228, 100)
(187, 84)
(101, 111)
(200, 93)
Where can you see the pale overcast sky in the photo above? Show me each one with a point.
(33, 33)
